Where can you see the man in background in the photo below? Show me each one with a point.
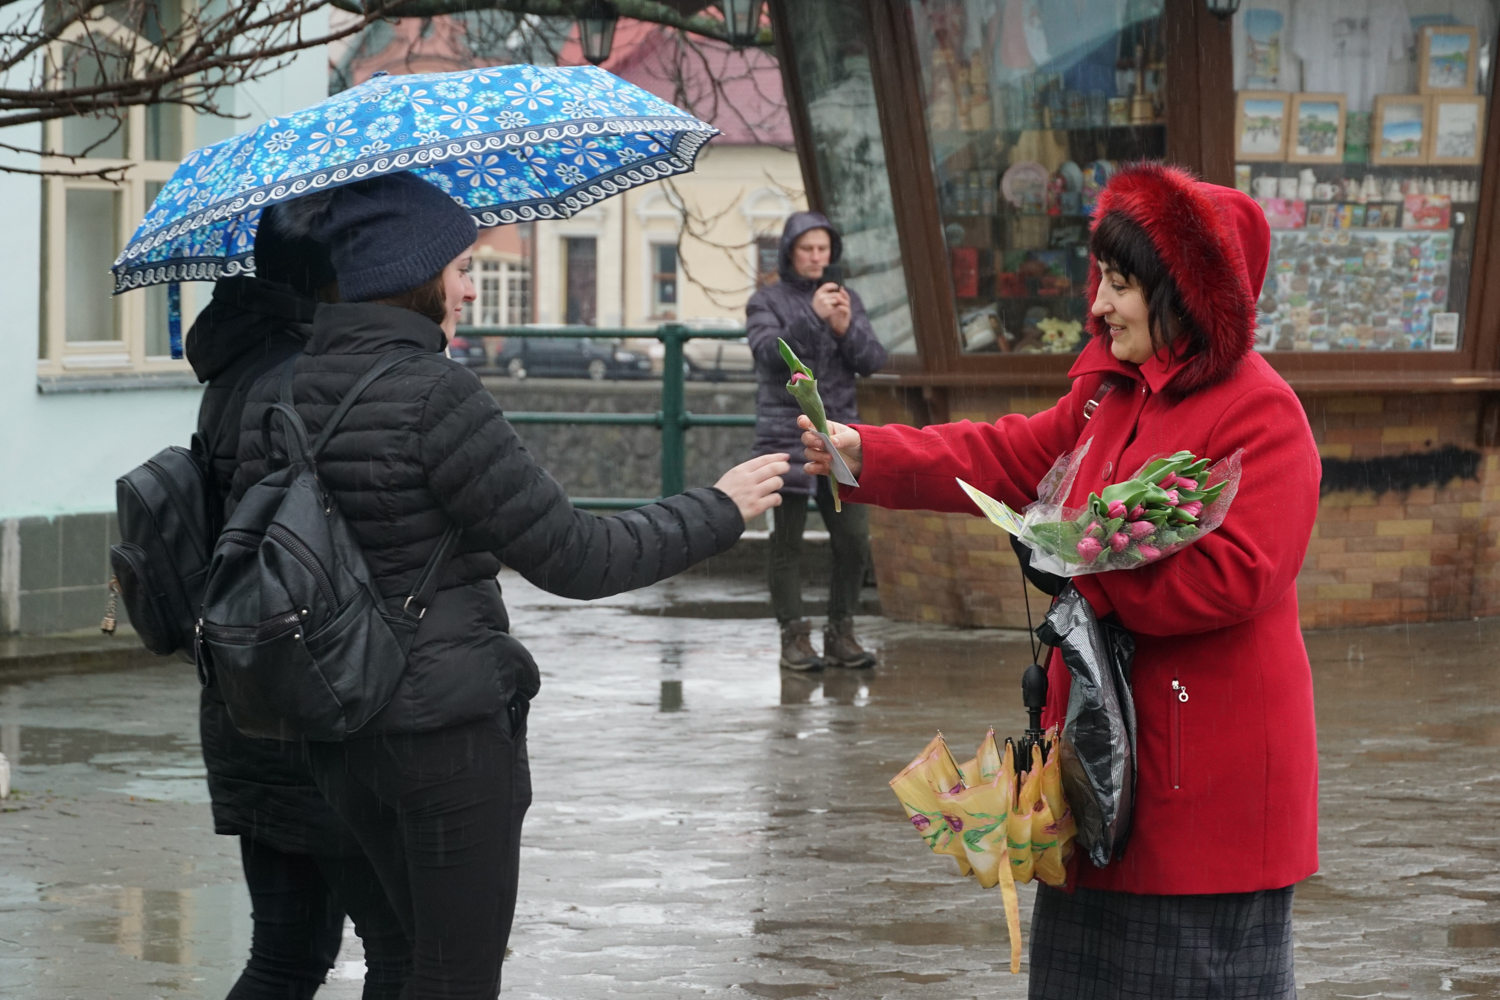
(825, 324)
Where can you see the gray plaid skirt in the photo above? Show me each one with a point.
(1097, 945)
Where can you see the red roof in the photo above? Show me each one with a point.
(747, 103)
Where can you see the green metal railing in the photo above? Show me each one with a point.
(673, 419)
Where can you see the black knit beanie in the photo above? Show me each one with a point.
(387, 235)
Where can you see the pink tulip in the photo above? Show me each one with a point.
(1187, 484)
(1170, 481)
(1195, 508)
(1117, 509)
(1137, 512)
(1142, 529)
(1172, 498)
(1089, 549)
(800, 377)
(1118, 541)
(1148, 551)
(1094, 530)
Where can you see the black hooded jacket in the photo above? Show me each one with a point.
(426, 445)
(261, 789)
(784, 310)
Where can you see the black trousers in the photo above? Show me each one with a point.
(848, 538)
(439, 816)
(298, 904)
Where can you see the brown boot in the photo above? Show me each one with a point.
(797, 651)
(841, 649)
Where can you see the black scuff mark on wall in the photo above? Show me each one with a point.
(1399, 473)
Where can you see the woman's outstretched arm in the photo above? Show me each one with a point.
(913, 468)
(486, 481)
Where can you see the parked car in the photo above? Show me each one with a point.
(470, 353)
(719, 360)
(571, 357)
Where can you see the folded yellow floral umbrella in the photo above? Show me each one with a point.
(1004, 820)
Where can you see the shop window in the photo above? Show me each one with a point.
(767, 260)
(664, 281)
(580, 280)
(1362, 138)
(1028, 116)
(834, 76)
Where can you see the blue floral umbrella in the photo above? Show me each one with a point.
(510, 144)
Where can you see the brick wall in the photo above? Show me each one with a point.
(1385, 554)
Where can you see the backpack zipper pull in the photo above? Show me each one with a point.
(107, 625)
(1181, 690)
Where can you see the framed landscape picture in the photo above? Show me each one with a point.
(1457, 127)
(1316, 133)
(1399, 133)
(1260, 125)
(1449, 60)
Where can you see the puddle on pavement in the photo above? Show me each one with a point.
(192, 927)
(55, 747)
(1474, 936)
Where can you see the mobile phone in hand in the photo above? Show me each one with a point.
(833, 273)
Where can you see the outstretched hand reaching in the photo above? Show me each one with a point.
(755, 486)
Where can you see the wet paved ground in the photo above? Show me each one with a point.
(707, 826)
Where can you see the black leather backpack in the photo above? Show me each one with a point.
(293, 629)
(165, 508)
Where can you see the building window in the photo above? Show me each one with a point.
(85, 223)
(503, 294)
(664, 280)
(580, 280)
(767, 261)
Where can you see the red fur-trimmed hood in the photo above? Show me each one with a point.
(1215, 243)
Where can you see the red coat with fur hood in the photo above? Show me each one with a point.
(1227, 789)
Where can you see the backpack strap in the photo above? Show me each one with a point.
(422, 594)
(386, 363)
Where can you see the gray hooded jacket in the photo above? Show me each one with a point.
(784, 310)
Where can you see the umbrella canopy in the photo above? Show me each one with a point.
(510, 144)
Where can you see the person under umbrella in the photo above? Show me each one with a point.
(436, 786)
(303, 867)
(1226, 806)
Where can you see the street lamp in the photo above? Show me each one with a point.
(596, 29)
(742, 18)
(1222, 9)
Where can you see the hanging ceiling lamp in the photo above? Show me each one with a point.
(1222, 9)
(596, 29)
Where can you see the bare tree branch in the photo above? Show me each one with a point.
(67, 58)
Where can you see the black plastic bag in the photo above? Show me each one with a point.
(1098, 738)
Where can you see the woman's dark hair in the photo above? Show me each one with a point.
(427, 299)
(1119, 243)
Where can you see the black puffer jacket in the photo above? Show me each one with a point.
(259, 788)
(427, 444)
(784, 310)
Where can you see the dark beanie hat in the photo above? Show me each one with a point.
(386, 235)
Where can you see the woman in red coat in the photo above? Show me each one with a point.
(1227, 791)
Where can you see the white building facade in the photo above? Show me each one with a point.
(87, 387)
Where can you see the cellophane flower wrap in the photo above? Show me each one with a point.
(1170, 503)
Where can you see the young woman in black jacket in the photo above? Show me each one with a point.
(436, 786)
(303, 868)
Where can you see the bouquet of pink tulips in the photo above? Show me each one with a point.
(1171, 502)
